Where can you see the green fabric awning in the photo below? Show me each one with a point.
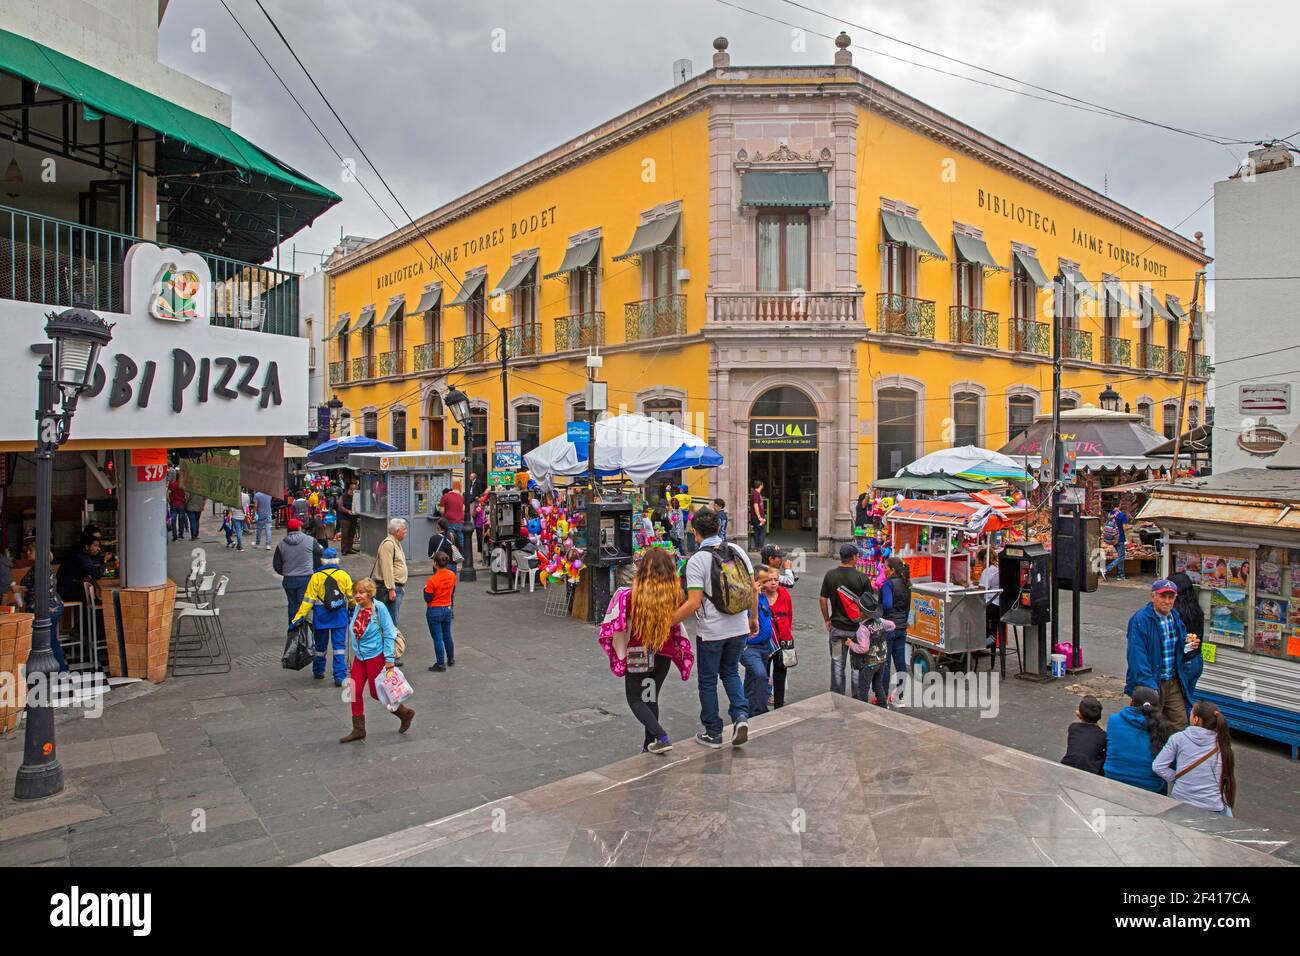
(1029, 264)
(394, 306)
(907, 231)
(341, 326)
(1075, 279)
(651, 235)
(802, 190)
(1115, 289)
(101, 93)
(469, 289)
(1175, 308)
(970, 249)
(430, 299)
(579, 256)
(517, 275)
(1155, 305)
(365, 318)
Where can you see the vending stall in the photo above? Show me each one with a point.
(403, 484)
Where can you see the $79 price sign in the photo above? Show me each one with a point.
(150, 472)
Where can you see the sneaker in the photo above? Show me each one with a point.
(451, 663)
(740, 733)
(660, 746)
(712, 741)
(239, 549)
(437, 668)
(268, 547)
(318, 676)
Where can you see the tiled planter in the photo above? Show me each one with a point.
(145, 628)
(15, 645)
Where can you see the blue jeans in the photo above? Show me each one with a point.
(839, 658)
(295, 589)
(439, 620)
(330, 643)
(55, 647)
(180, 518)
(240, 529)
(896, 662)
(720, 659)
(754, 660)
(394, 606)
(1117, 563)
(263, 525)
(194, 523)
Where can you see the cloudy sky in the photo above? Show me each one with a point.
(440, 108)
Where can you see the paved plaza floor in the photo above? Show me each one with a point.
(245, 768)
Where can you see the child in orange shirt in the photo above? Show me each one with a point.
(439, 592)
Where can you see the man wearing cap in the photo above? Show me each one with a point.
(840, 628)
(1163, 656)
(773, 557)
(329, 615)
(296, 558)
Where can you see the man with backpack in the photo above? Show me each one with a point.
(842, 589)
(329, 592)
(295, 559)
(1114, 533)
(720, 593)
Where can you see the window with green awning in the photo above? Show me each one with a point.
(1076, 280)
(1175, 308)
(341, 326)
(578, 256)
(799, 189)
(970, 249)
(517, 275)
(1030, 266)
(430, 299)
(365, 318)
(1155, 305)
(651, 235)
(1119, 295)
(394, 306)
(906, 231)
(469, 289)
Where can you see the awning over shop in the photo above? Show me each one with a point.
(927, 483)
(972, 517)
(1076, 280)
(516, 275)
(469, 289)
(578, 256)
(906, 231)
(340, 327)
(1032, 269)
(1155, 305)
(1115, 289)
(1271, 516)
(1175, 309)
(430, 299)
(651, 235)
(394, 306)
(970, 249)
(365, 318)
(802, 189)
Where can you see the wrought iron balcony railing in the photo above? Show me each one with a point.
(467, 349)
(655, 318)
(426, 357)
(902, 315)
(338, 372)
(1177, 361)
(1202, 366)
(968, 326)
(1116, 351)
(392, 363)
(363, 367)
(1026, 335)
(579, 331)
(735, 308)
(524, 340)
(1155, 358)
(59, 263)
(1076, 344)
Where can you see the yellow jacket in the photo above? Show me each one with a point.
(315, 597)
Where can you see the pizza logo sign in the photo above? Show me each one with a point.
(176, 294)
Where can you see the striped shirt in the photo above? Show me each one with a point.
(1168, 642)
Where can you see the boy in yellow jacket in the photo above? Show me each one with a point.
(329, 594)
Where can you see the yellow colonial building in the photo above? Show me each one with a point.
(822, 276)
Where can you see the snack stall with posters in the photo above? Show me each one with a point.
(945, 544)
(402, 484)
(1236, 535)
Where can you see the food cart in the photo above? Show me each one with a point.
(400, 484)
(945, 543)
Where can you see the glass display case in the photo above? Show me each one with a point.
(373, 497)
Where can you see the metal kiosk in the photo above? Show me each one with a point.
(400, 484)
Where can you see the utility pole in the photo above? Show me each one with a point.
(505, 388)
(1058, 300)
(1193, 339)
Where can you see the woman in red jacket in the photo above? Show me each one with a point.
(778, 598)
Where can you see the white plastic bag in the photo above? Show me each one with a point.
(393, 688)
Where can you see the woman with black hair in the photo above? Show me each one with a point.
(899, 583)
(862, 512)
(1134, 736)
(1198, 761)
(1186, 606)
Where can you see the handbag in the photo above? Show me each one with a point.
(788, 656)
(639, 660)
(399, 644)
(297, 649)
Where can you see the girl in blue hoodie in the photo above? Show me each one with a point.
(1134, 736)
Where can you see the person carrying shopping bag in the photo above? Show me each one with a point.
(371, 636)
(329, 592)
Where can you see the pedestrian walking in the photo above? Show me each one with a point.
(348, 519)
(439, 597)
(720, 594)
(1198, 762)
(840, 627)
(194, 504)
(778, 599)
(328, 594)
(720, 509)
(758, 648)
(176, 507)
(758, 516)
(390, 568)
(1134, 736)
(299, 508)
(296, 559)
(318, 530)
(899, 584)
(452, 504)
(1115, 532)
(480, 521)
(1163, 655)
(262, 515)
(371, 635)
(642, 641)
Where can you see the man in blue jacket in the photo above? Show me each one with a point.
(1163, 656)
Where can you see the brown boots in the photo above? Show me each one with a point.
(405, 715)
(358, 730)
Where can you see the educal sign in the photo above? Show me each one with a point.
(168, 372)
(783, 434)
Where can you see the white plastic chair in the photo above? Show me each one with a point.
(525, 570)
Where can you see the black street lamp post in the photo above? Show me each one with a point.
(77, 335)
(458, 402)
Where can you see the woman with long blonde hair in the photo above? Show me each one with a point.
(641, 640)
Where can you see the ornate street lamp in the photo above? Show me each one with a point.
(1110, 399)
(67, 369)
(336, 408)
(458, 402)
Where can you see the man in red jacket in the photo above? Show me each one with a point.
(452, 504)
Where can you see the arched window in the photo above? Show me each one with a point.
(399, 428)
(370, 424)
(664, 410)
(528, 426)
(966, 418)
(783, 402)
(1068, 404)
(345, 424)
(1169, 418)
(1193, 415)
(1020, 415)
(434, 423)
(896, 418)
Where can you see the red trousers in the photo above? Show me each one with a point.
(363, 675)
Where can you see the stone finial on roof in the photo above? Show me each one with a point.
(721, 58)
(843, 55)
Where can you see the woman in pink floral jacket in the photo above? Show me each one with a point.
(641, 640)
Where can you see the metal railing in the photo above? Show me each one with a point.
(524, 340)
(745, 307)
(902, 315)
(655, 318)
(392, 363)
(1177, 361)
(969, 326)
(426, 357)
(59, 263)
(1076, 344)
(1027, 335)
(363, 367)
(1202, 366)
(471, 348)
(1116, 351)
(1155, 358)
(579, 331)
(338, 373)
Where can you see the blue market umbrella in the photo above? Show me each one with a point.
(337, 449)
